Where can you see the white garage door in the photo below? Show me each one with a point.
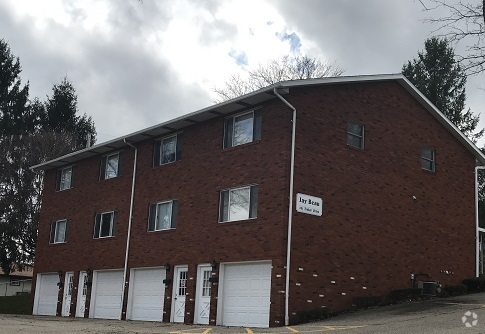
(107, 294)
(147, 294)
(246, 294)
(46, 292)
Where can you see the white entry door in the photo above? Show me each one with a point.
(203, 295)
(66, 302)
(81, 294)
(179, 292)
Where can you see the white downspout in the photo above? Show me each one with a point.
(477, 223)
(290, 209)
(129, 226)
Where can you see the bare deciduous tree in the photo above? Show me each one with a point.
(465, 24)
(274, 71)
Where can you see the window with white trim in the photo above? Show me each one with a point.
(238, 204)
(355, 135)
(243, 128)
(163, 216)
(105, 224)
(428, 159)
(167, 150)
(14, 282)
(64, 178)
(110, 166)
(58, 232)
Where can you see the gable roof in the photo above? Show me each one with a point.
(252, 99)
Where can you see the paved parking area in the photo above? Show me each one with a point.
(431, 316)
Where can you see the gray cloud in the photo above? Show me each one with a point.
(120, 82)
(125, 83)
(364, 37)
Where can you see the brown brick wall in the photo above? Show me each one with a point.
(372, 233)
(195, 181)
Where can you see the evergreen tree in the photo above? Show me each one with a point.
(31, 132)
(440, 78)
(61, 115)
(14, 116)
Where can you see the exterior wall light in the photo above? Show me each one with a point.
(213, 264)
(60, 273)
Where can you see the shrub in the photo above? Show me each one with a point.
(400, 295)
(475, 284)
(312, 315)
(367, 301)
(456, 289)
(15, 304)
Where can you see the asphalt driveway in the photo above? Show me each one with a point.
(450, 315)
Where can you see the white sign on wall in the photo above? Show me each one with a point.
(309, 204)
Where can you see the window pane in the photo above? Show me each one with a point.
(66, 178)
(60, 231)
(182, 283)
(168, 148)
(243, 129)
(427, 159)
(105, 230)
(206, 285)
(428, 154)
(239, 204)
(427, 164)
(112, 166)
(354, 141)
(355, 128)
(69, 285)
(164, 216)
(85, 285)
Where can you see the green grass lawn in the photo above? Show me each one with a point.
(16, 305)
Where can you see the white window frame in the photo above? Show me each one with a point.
(221, 203)
(14, 282)
(56, 231)
(234, 127)
(432, 160)
(106, 177)
(156, 217)
(160, 162)
(230, 126)
(111, 227)
(61, 183)
(361, 137)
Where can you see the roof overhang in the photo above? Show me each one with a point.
(247, 101)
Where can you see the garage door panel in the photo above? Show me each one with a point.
(246, 294)
(47, 294)
(108, 294)
(148, 294)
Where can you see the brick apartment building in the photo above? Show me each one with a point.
(231, 216)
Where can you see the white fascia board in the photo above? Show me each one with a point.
(436, 113)
(283, 87)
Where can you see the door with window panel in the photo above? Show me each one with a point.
(203, 296)
(179, 293)
(66, 305)
(81, 294)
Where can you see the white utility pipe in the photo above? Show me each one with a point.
(129, 225)
(290, 209)
(477, 222)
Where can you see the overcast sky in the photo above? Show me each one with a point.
(138, 63)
